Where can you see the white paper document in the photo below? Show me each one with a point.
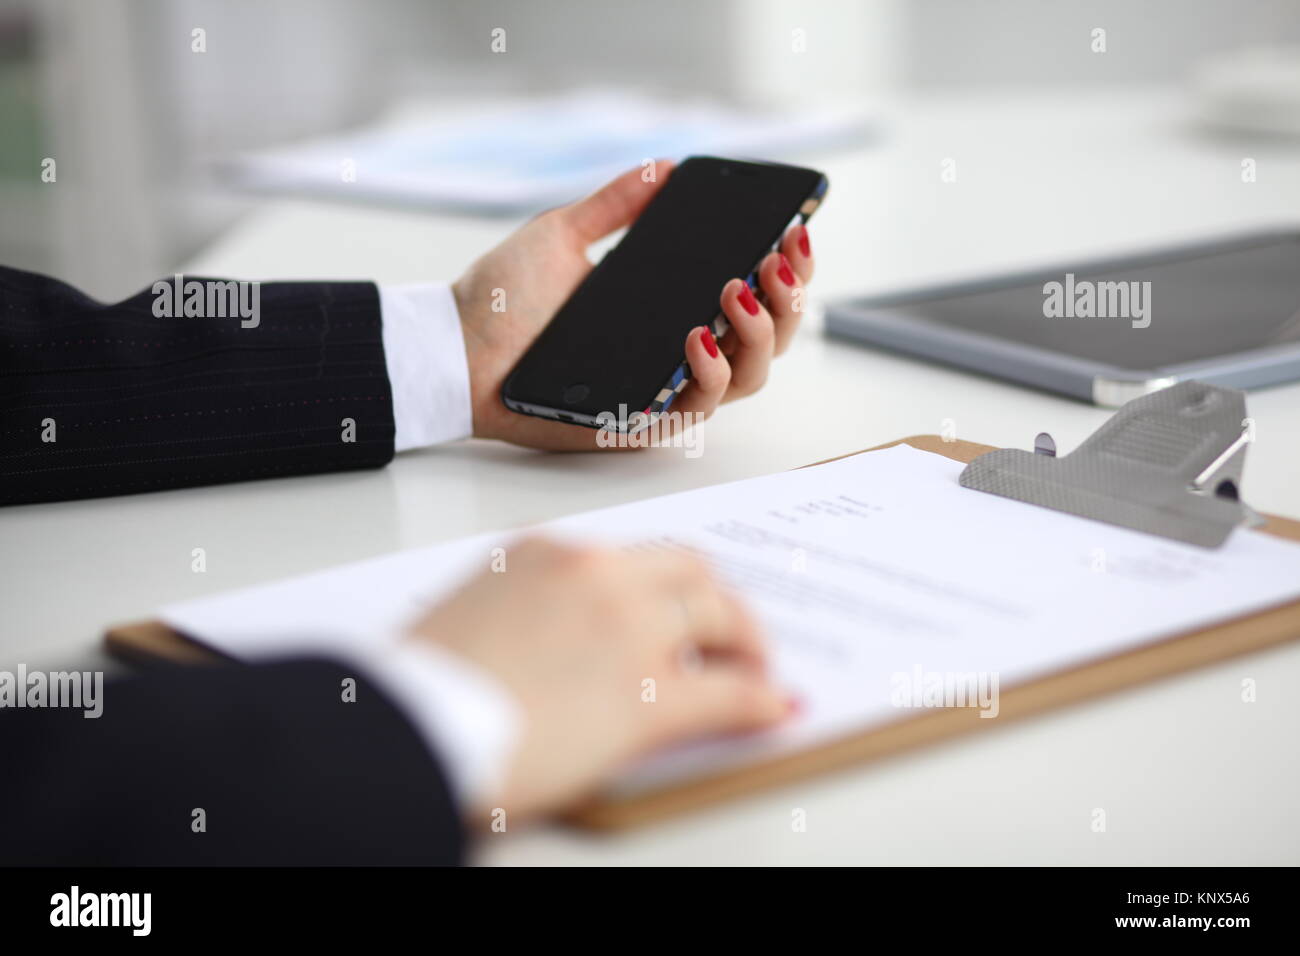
(882, 584)
(528, 153)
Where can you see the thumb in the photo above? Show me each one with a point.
(618, 202)
(722, 699)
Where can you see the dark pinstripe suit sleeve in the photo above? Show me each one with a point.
(285, 772)
(106, 399)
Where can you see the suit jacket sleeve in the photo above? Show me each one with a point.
(105, 399)
(283, 769)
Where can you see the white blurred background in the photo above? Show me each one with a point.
(114, 92)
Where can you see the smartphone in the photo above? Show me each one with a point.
(613, 355)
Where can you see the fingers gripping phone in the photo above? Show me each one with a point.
(617, 343)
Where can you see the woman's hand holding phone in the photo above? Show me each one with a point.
(535, 271)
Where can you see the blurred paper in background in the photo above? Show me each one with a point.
(513, 155)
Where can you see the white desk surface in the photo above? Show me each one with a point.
(1185, 771)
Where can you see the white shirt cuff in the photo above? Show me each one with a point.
(424, 349)
(469, 721)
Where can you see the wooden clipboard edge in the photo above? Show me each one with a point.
(148, 642)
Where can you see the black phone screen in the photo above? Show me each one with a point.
(622, 334)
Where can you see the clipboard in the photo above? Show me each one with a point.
(154, 642)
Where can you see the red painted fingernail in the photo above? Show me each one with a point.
(747, 300)
(794, 705)
(710, 346)
(805, 247)
(785, 272)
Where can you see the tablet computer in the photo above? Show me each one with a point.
(1225, 312)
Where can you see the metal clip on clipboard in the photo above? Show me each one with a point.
(1169, 463)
